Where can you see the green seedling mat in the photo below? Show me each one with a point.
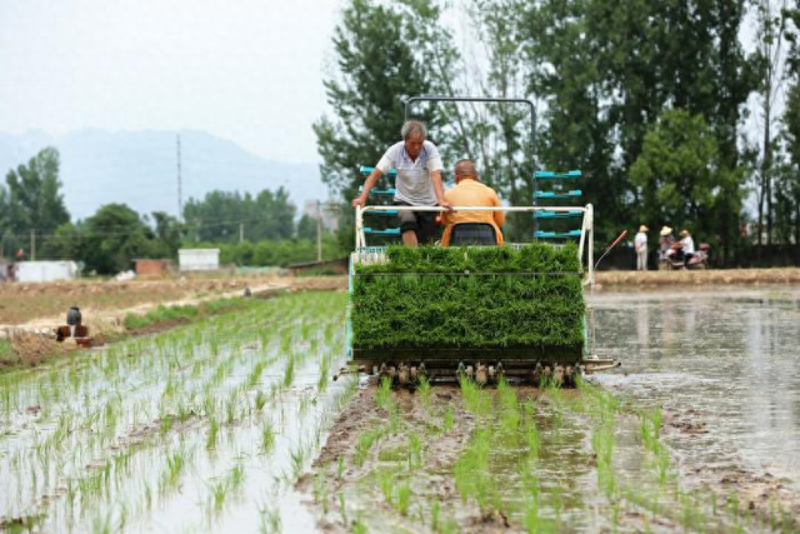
(524, 303)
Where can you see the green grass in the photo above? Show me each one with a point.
(430, 297)
(6, 354)
(184, 314)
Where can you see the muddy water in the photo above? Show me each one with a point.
(698, 431)
(724, 366)
(215, 428)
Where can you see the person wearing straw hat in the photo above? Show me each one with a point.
(665, 241)
(688, 244)
(640, 246)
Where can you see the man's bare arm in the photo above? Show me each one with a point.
(438, 189)
(372, 179)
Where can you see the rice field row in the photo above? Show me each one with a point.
(221, 417)
(517, 458)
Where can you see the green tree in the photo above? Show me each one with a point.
(787, 187)
(771, 29)
(682, 179)
(221, 215)
(608, 68)
(112, 238)
(33, 199)
(65, 243)
(169, 233)
(272, 215)
(380, 53)
(5, 223)
(307, 227)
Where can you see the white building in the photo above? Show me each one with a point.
(45, 271)
(198, 259)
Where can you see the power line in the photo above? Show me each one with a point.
(194, 225)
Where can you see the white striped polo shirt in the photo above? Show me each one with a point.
(413, 183)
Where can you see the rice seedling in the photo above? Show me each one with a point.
(385, 480)
(403, 498)
(475, 400)
(435, 513)
(219, 492)
(288, 373)
(261, 400)
(172, 472)
(230, 406)
(414, 452)
(424, 389)
(662, 463)
(448, 420)
(509, 410)
(603, 445)
(213, 346)
(394, 418)
(383, 393)
(213, 432)
(343, 509)
(305, 404)
(101, 524)
(364, 444)
(255, 375)
(165, 423)
(324, 375)
(533, 521)
(471, 470)
(532, 438)
(236, 477)
(269, 520)
(267, 437)
(299, 456)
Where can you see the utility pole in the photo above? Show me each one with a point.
(33, 245)
(319, 231)
(180, 191)
(241, 232)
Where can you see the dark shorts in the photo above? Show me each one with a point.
(423, 223)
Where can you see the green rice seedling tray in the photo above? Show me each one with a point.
(467, 303)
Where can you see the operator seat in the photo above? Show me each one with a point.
(473, 234)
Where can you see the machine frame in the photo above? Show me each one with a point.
(512, 361)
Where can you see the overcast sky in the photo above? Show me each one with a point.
(247, 70)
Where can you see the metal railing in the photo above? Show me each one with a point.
(587, 225)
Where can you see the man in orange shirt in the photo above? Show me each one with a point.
(474, 227)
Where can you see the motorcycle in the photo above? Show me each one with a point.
(676, 259)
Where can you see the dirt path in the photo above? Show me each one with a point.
(645, 279)
(104, 305)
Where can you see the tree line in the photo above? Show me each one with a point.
(650, 99)
(250, 230)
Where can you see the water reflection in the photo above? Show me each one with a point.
(727, 358)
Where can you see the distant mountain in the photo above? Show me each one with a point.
(140, 168)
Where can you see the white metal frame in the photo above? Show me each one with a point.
(587, 226)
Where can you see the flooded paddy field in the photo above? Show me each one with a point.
(204, 428)
(698, 431)
(233, 425)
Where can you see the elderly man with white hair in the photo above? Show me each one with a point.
(419, 182)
